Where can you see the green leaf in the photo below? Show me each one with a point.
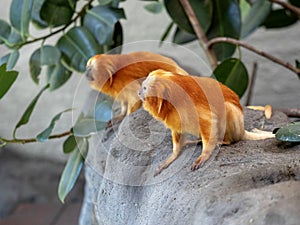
(295, 2)
(2, 143)
(253, 19)
(5, 30)
(182, 37)
(27, 114)
(72, 3)
(226, 23)
(78, 45)
(202, 9)
(167, 32)
(290, 133)
(87, 126)
(10, 59)
(104, 2)
(4, 59)
(20, 12)
(101, 20)
(7, 78)
(57, 12)
(245, 9)
(233, 74)
(103, 110)
(279, 18)
(96, 119)
(154, 7)
(46, 55)
(116, 47)
(44, 135)
(72, 169)
(69, 144)
(57, 75)
(298, 66)
(14, 38)
(35, 14)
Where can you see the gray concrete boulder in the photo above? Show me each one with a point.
(250, 182)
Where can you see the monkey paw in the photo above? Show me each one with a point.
(199, 162)
(158, 171)
(195, 166)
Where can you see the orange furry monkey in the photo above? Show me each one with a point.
(121, 75)
(200, 106)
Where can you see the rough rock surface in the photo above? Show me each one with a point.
(250, 182)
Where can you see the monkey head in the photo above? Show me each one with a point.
(99, 71)
(154, 85)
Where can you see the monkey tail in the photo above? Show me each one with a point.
(257, 135)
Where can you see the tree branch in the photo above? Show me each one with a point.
(31, 140)
(253, 49)
(82, 11)
(210, 54)
(288, 6)
(291, 112)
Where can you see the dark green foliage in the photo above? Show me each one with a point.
(298, 66)
(101, 20)
(44, 135)
(233, 74)
(27, 113)
(20, 12)
(72, 169)
(253, 15)
(44, 56)
(69, 144)
(289, 133)
(77, 46)
(202, 8)
(279, 18)
(226, 22)
(57, 12)
(7, 78)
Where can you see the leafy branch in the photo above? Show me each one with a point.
(79, 15)
(32, 140)
(207, 44)
(288, 6)
(253, 49)
(199, 33)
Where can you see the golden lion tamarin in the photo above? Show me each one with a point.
(121, 75)
(200, 106)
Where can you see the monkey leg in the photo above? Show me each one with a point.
(178, 140)
(210, 140)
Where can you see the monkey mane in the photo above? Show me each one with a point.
(106, 69)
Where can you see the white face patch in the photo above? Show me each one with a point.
(142, 91)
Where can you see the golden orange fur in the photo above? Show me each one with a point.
(199, 106)
(121, 75)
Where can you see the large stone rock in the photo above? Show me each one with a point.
(250, 182)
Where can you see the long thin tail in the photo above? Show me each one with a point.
(257, 135)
